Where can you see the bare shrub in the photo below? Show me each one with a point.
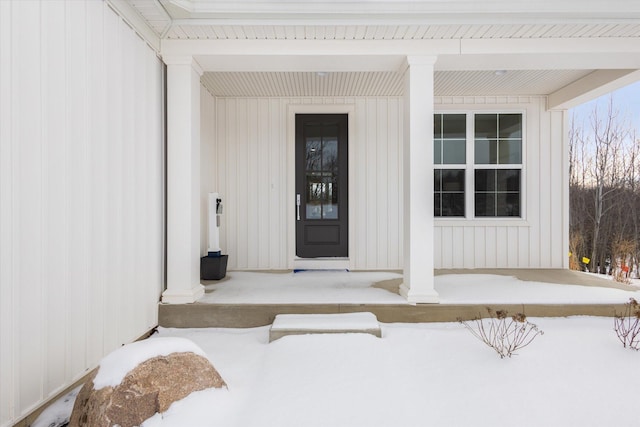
(505, 334)
(622, 251)
(627, 325)
(575, 244)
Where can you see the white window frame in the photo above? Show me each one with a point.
(470, 168)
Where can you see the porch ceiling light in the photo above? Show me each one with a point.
(322, 74)
(500, 72)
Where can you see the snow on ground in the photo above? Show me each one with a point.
(576, 374)
(320, 287)
(437, 374)
(58, 413)
(341, 287)
(488, 289)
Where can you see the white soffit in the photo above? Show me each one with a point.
(389, 20)
(182, 30)
(513, 82)
(446, 83)
(274, 84)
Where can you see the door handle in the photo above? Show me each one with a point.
(298, 206)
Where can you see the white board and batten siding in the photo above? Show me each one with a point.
(81, 194)
(253, 161)
(255, 176)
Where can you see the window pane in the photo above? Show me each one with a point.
(497, 192)
(485, 180)
(330, 155)
(510, 152)
(508, 180)
(449, 199)
(452, 180)
(510, 125)
(330, 205)
(315, 196)
(437, 151)
(314, 154)
(486, 151)
(452, 204)
(485, 204)
(486, 125)
(454, 126)
(454, 151)
(437, 128)
(508, 204)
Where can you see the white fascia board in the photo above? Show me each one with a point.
(310, 47)
(385, 55)
(299, 63)
(630, 45)
(551, 45)
(538, 61)
(139, 25)
(591, 86)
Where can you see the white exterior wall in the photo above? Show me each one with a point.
(253, 170)
(540, 238)
(254, 174)
(81, 194)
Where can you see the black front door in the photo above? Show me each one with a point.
(322, 186)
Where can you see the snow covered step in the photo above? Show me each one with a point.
(341, 323)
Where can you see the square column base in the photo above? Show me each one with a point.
(186, 296)
(422, 296)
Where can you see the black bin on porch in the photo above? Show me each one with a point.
(213, 267)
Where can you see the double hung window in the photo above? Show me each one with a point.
(481, 154)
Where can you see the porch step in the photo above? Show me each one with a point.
(339, 323)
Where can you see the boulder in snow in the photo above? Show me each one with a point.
(117, 395)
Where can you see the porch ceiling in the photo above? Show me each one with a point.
(385, 83)
(568, 49)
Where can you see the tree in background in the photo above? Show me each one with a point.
(604, 168)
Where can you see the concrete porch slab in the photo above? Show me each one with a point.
(336, 323)
(254, 315)
(553, 294)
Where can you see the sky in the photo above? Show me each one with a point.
(626, 100)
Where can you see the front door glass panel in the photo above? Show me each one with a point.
(321, 172)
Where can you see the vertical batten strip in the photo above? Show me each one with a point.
(96, 139)
(7, 296)
(28, 199)
(77, 203)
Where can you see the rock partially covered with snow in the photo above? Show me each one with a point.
(141, 379)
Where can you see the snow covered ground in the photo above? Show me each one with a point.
(576, 374)
(320, 287)
(341, 287)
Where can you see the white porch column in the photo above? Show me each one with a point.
(183, 181)
(418, 286)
